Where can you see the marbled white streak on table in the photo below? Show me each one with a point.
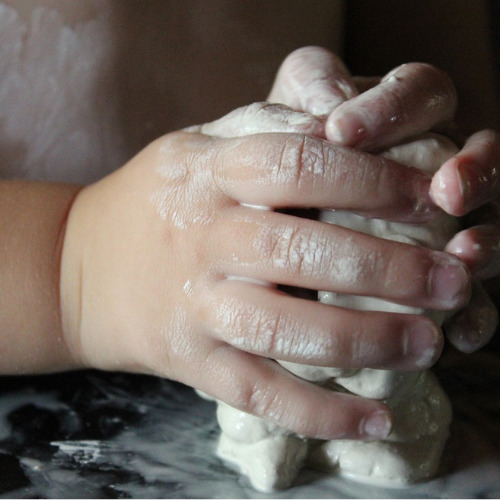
(101, 435)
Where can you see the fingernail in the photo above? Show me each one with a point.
(472, 330)
(422, 344)
(465, 337)
(471, 341)
(378, 425)
(347, 130)
(448, 282)
(463, 180)
(441, 187)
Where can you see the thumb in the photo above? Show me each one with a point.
(314, 80)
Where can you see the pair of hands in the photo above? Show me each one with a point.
(169, 263)
(410, 100)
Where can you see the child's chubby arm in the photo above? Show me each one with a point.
(32, 222)
(166, 267)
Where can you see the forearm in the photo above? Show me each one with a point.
(32, 222)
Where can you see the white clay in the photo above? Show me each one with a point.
(271, 457)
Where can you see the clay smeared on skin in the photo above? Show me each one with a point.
(271, 457)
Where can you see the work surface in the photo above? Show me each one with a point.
(91, 434)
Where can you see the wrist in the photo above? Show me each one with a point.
(32, 220)
(71, 280)
(96, 323)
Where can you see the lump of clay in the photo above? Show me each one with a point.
(271, 456)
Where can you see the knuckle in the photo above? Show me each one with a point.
(251, 328)
(296, 250)
(312, 161)
(294, 62)
(315, 80)
(429, 79)
(357, 349)
(230, 317)
(288, 252)
(394, 96)
(288, 165)
(260, 399)
(264, 331)
(438, 81)
(357, 265)
(179, 153)
(250, 397)
(270, 334)
(302, 162)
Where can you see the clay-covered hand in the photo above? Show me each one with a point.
(468, 184)
(169, 266)
(371, 114)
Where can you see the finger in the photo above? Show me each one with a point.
(409, 100)
(263, 117)
(261, 387)
(292, 170)
(474, 326)
(314, 80)
(269, 323)
(479, 248)
(279, 248)
(471, 178)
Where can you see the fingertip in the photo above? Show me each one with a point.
(355, 417)
(376, 425)
(449, 282)
(410, 100)
(345, 128)
(469, 338)
(314, 80)
(423, 342)
(473, 327)
(447, 190)
(478, 247)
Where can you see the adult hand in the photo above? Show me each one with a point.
(167, 263)
(371, 114)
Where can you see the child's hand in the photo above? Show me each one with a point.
(371, 114)
(168, 266)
